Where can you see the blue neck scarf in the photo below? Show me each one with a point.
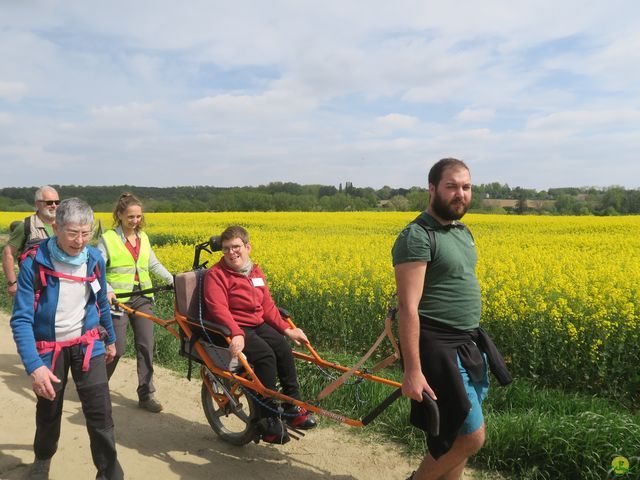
(60, 256)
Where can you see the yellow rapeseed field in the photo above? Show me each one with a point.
(561, 294)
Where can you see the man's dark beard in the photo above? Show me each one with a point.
(445, 212)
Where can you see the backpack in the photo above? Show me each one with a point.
(41, 278)
(431, 232)
(27, 241)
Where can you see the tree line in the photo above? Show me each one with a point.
(288, 196)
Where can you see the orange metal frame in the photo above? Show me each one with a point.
(249, 379)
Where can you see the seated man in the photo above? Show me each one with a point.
(236, 295)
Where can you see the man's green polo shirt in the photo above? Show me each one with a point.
(451, 293)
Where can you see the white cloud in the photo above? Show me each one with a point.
(266, 104)
(5, 118)
(119, 112)
(12, 91)
(476, 115)
(396, 121)
(585, 120)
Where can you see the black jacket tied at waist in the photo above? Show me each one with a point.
(439, 345)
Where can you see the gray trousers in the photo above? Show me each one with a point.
(143, 338)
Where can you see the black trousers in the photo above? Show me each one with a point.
(270, 354)
(93, 391)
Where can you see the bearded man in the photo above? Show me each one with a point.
(445, 352)
(32, 230)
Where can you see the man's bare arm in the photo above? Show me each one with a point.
(409, 284)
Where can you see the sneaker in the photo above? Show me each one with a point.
(39, 470)
(274, 431)
(303, 419)
(150, 404)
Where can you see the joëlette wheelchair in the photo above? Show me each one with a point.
(231, 391)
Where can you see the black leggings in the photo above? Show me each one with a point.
(270, 354)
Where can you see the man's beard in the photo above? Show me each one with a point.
(449, 211)
(47, 215)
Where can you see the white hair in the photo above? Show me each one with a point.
(73, 211)
(41, 190)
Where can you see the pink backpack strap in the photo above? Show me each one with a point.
(88, 339)
(53, 273)
(43, 272)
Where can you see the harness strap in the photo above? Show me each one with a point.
(88, 339)
(45, 271)
(387, 332)
(396, 350)
(345, 376)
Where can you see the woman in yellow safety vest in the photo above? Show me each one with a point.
(130, 259)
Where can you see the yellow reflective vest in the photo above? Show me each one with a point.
(121, 269)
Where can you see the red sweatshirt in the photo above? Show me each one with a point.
(238, 301)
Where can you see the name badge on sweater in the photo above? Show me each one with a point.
(257, 282)
(95, 286)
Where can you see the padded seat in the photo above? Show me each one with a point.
(188, 301)
(188, 304)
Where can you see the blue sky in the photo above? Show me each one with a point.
(536, 94)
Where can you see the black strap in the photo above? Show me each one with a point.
(161, 288)
(192, 341)
(27, 233)
(431, 232)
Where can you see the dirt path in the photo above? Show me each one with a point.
(177, 443)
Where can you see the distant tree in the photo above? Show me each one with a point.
(335, 203)
(418, 199)
(399, 203)
(565, 204)
(521, 206)
(348, 188)
(284, 201)
(328, 190)
(496, 190)
(614, 198)
(384, 193)
(15, 205)
(582, 209)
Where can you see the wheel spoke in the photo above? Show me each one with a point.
(233, 420)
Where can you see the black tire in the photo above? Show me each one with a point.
(236, 427)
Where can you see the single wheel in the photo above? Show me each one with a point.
(231, 413)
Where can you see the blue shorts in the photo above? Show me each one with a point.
(476, 391)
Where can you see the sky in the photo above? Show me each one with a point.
(537, 94)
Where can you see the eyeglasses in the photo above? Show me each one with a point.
(50, 202)
(75, 234)
(232, 248)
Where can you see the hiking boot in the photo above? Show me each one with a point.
(302, 419)
(150, 404)
(274, 431)
(39, 470)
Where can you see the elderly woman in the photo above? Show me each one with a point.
(61, 322)
(236, 295)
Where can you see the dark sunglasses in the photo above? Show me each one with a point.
(50, 202)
